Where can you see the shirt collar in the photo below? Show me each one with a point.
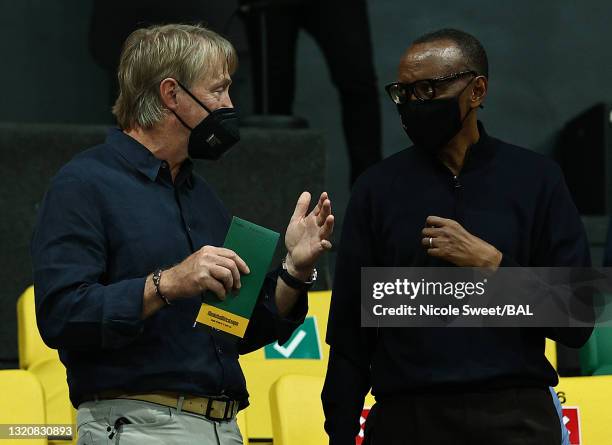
(141, 158)
(186, 173)
(477, 155)
(482, 151)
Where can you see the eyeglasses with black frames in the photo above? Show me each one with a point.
(423, 90)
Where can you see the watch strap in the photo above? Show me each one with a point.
(294, 282)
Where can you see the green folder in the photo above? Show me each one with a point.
(256, 246)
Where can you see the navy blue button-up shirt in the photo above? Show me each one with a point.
(111, 216)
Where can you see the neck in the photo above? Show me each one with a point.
(454, 153)
(164, 144)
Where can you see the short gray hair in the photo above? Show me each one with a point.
(187, 53)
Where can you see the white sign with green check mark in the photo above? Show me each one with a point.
(303, 344)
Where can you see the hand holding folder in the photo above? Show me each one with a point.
(256, 246)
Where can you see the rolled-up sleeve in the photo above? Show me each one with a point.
(75, 307)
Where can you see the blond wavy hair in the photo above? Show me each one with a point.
(187, 53)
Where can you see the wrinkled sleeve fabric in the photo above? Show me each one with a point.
(561, 242)
(75, 308)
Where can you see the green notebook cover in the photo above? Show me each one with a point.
(256, 246)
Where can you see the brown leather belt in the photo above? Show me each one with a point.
(212, 409)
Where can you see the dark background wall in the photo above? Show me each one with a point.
(550, 60)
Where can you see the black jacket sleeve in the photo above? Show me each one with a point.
(560, 241)
(348, 374)
(564, 244)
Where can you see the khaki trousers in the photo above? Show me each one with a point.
(150, 424)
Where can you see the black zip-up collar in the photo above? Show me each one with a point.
(477, 155)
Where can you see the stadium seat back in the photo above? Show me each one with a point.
(32, 349)
(21, 402)
(303, 354)
(297, 414)
(586, 408)
(52, 376)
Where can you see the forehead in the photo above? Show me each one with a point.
(430, 60)
(212, 79)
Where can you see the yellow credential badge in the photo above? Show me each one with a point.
(223, 320)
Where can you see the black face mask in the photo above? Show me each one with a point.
(215, 135)
(432, 124)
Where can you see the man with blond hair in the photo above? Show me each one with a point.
(127, 240)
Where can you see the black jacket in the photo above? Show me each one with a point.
(512, 198)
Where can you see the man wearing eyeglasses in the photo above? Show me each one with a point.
(457, 197)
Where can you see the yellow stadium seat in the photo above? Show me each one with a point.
(73, 422)
(297, 414)
(44, 363)
(32, 349)
(551, 352)
(52, 377)
(241, 419)
(591, 397)
(261, 373)
(21, 402)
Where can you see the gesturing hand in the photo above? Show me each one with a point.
(308, 235)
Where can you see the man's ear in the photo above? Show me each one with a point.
(479, 92)
(167, 93)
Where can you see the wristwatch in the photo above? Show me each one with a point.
(296, 283)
